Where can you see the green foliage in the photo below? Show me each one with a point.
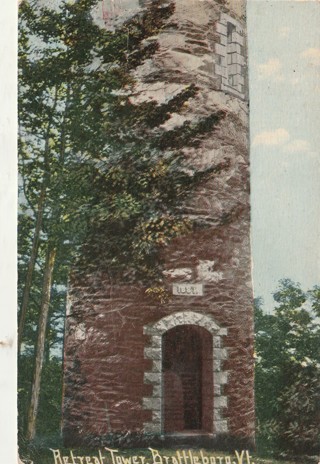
(135, 212)
(49, 415)
(158, 294)
(288, 371)
(104, 159)
(299, 428)
(107, 182)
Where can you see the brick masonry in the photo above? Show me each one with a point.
(114, 379)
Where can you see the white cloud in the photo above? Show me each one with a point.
(270, 69)
(280, 137)
(276, 137)
(312, 55)
(297, 145)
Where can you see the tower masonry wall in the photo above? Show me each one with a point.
(113, 367)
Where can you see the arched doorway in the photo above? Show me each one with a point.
(187, 380)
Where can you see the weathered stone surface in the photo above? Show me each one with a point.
(152, 403)
(206, 272)
(220, 402)
(221, 353)
(180, 273)
(80, 332)
(152, 427)
(216, 390)
(152, 353)
(216, 365)
(221, 378)
(156, 366)
(184, 318)
(151, 377)
(222, 426)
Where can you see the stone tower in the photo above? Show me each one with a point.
(183, 370)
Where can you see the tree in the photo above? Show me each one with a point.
(288, 370)
(95, 166)
(49, 61)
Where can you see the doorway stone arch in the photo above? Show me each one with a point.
(153, 353)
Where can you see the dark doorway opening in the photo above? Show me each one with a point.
(187, 380)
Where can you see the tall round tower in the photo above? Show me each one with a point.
(183, 369)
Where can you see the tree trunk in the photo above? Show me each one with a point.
(31, 265)
(43, 319)
(46, 293)
(38, 227)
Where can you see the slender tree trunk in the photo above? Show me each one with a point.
(38, 227)
(46, 293)
(43, 319)
(31, 265)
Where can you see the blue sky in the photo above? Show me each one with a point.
(284, 61)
